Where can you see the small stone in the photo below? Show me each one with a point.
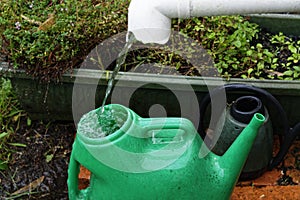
(294, 174)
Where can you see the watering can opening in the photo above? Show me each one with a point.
(109, 122)
(236, 117)
(260, 117)
(244, 108)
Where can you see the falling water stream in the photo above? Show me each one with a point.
(105, 121)
(120, 61)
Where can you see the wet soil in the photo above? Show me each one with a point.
(39, 170)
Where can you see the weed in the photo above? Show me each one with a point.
(10, 115)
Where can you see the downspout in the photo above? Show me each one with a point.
(150, 20)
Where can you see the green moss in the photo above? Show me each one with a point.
(49, 37)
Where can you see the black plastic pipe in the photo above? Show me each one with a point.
(286, 144)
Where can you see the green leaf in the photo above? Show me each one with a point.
(2, 135)
(259, 46)
(244, 76)
(269, 54)
(275, 60)
(178, 65)
(49, 157)
(235, 66)
(28, 121)
(288, 73)
(211, 35)
(292, 48)
(249, 52)
(17, 144)
(260, 65)
(3, 165)
(297, 68)
(12, 113)
(237, 43)
(250, 70)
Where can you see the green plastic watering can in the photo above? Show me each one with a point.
(131, 158)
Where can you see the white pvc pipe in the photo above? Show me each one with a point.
(150, 20)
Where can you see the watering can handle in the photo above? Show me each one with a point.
(166, 123)
(180, 128)
(73, 172)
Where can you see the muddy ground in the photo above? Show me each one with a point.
(39, 170)
(41, 166)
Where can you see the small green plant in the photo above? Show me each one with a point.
(10, 115)
(289, 55)
(227, 39)
(241, 49)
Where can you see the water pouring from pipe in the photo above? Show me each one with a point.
(120, 61)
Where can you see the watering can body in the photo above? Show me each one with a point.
(263, 145)
(154, 158)
(236, 117)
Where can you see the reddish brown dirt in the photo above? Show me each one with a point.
(275, 184)
(267, 192)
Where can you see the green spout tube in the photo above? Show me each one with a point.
(235, 157)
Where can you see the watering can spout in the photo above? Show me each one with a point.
(237, 153)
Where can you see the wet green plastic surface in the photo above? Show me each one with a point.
(288, 24)
(156, 158)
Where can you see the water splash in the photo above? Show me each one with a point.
(98, 123)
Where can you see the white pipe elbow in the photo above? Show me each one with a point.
(150, 20)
